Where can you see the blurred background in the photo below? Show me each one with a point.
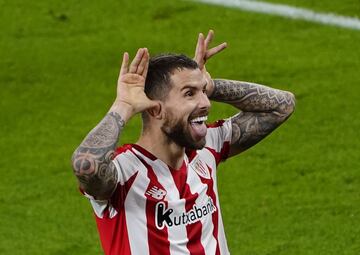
(297, 192)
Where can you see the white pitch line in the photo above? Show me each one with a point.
(290, 12)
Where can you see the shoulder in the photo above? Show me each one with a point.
(217, 144)
(218, 136)
(126, 162)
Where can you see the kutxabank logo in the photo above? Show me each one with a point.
(164, 216)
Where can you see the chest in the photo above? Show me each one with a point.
(164, 191)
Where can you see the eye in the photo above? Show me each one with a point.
(204, 91)
(189, 93)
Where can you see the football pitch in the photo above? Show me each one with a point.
(295, 193)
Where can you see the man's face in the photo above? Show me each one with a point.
(186, 108)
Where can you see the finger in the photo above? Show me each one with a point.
(136, 61)
(209, 38)
(124, 64)
(215, 50)
(200, 50)
(143, 62)
(146, 68)
(197, 47)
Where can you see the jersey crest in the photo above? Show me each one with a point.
(200, 168)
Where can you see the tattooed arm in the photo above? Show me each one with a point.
(92, 160)
(262, 110)
(92, 163)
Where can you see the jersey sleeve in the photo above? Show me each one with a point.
(218, 139)
(123, 161)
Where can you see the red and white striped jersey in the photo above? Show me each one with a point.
(159, 210)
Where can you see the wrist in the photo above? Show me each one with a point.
(124, 109)
(210, 88)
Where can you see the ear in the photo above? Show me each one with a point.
(156, 111)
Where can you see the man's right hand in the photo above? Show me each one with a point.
(92, 160)
(203, 53)
(131, 98)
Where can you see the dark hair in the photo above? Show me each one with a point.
(158, 81)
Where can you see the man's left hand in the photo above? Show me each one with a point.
(203, 53)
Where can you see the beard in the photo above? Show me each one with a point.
(179, 133)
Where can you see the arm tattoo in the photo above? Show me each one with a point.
(92, 159)
(262, 110)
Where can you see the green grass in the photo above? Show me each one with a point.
(297, 192)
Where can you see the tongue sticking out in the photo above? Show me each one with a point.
(199, 130)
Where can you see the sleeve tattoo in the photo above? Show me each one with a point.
(262, 110)
(92, 160)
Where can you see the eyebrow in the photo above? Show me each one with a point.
(193, 87)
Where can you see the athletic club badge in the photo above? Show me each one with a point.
(200, 168)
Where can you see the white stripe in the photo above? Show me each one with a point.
(207, 240)
(221, 235)
(99, 207)
(126, 165)
(290, 12)
(206, 155)
(177, 235)
(135, 204)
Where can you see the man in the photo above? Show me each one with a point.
(159, 196)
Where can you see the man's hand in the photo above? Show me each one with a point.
(262, 108)
(203, 53)
(131, 98)
(92, 160)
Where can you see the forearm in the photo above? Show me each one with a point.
(251, 97)
(263, 109)
(91, 161)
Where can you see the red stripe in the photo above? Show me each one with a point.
(194, 235)
(113, 231)
(222, 155)
(225, 150)
(193, 230)
(190, 154)
(218, 123)
(122, 149)
(113, 234)
(157, 239)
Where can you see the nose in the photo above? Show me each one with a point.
(204, 103)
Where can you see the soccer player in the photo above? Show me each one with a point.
(159, 195)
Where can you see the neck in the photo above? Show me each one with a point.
(158, 144)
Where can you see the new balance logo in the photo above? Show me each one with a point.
(156, 193)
